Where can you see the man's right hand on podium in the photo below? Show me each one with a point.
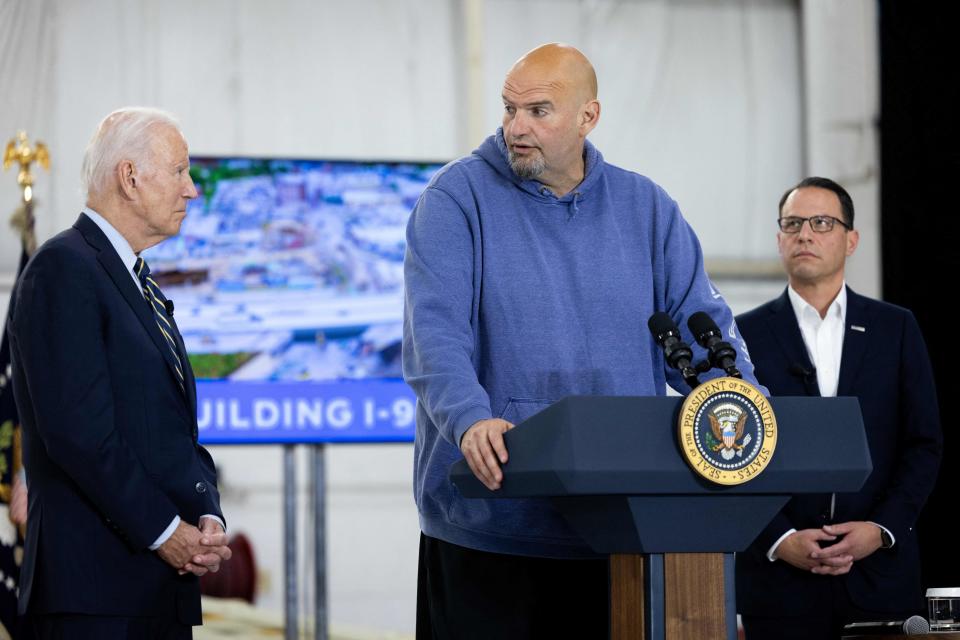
(483, 448)
(798, 548)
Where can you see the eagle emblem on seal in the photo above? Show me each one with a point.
(727, 422)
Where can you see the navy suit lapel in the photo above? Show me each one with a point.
(855, 341)
(786, 329)
(188, 379)
(121, 277)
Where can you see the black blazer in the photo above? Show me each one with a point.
(109, 439)
(886, 366)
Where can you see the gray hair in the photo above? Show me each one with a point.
(120, 136)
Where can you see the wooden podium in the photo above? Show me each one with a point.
(613, 469)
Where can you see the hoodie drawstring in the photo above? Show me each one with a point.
(573, 209)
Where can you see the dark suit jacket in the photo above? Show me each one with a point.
(887, 367)
(109, 439)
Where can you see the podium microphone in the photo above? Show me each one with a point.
(676, 351)
(912, 626)
(721, 354)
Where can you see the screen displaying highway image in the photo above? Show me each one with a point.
(291, 270)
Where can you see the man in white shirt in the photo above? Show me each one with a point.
(828, 560)
(124, 512)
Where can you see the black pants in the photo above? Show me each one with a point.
(825, 625)
(464, 594)
(83, 627)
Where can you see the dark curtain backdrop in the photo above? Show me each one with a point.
(920, 176)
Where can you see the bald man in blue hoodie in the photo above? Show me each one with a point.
(532, 267)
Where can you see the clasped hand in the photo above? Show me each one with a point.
(196, 551)
(857, 540)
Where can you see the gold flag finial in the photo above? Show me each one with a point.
(19, 150)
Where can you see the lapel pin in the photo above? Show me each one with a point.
(857, 327)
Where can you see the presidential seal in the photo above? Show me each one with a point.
(727, 431)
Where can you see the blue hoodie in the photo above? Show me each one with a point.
(516, 298)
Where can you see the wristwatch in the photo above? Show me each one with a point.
(885, 540)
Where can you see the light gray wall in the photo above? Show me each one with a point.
(704, 97)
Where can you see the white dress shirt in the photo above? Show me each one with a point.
(823, 337)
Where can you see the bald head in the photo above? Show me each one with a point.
(549, 107)
(560, 66)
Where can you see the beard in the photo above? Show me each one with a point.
(527, 168)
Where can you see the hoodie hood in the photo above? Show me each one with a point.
(493, 151)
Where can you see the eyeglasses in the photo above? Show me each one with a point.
(820, 224)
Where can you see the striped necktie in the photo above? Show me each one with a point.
(158, 303)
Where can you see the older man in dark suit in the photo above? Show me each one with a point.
(124, 511)
(828, 560)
